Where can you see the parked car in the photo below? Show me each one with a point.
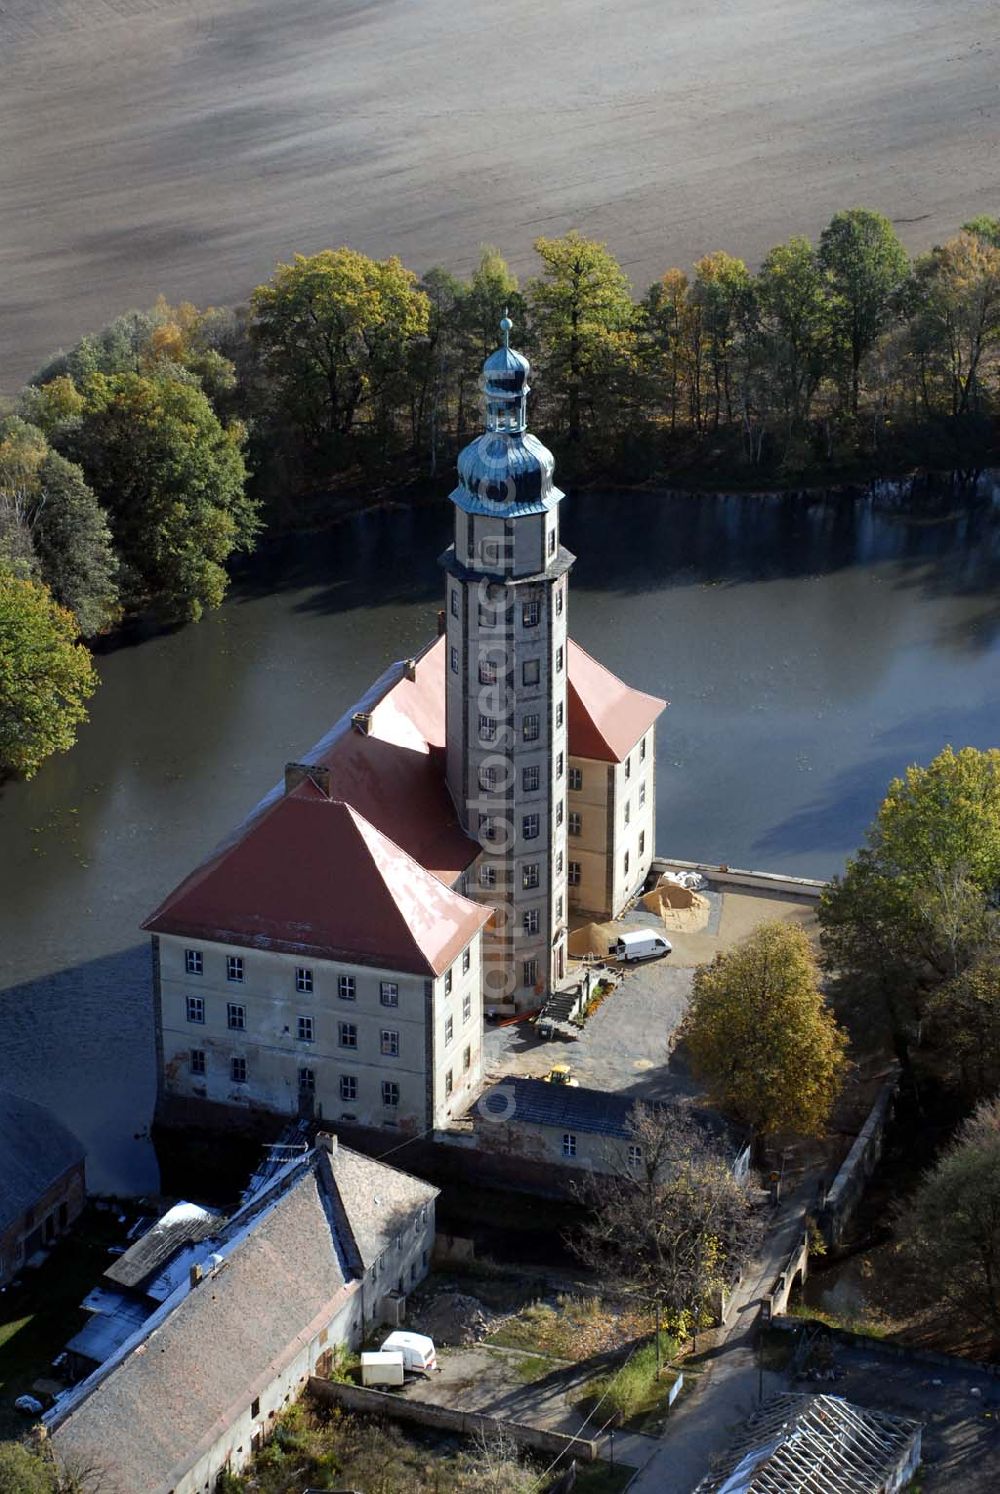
(641, 944)
(417, 1350)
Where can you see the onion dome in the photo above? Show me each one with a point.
(506, 469)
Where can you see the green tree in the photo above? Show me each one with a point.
(335, 330)
(172, 480)
(965, 1026)
(985, 228)
(665, 346)
(724, 291)
(583, 317)
(762, 1037)
(916, 906)
(790, 290)
(64, 534)
(866, 268)
(24, 1472)
(958, 314)
(45, 677)
(952, 1228)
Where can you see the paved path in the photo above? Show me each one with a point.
(728, 1390)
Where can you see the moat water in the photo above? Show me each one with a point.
(810, 649)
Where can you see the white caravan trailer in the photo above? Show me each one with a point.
(416, 1348)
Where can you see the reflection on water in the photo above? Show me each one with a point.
(809, 649)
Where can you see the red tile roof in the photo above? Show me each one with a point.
(313, 877)
(606, 717)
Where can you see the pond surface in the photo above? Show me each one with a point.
(810, 649)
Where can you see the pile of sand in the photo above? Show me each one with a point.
(682, 911)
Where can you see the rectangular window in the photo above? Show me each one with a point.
(560, 809)
(388, 993)
(559, 909)
(559, 765)
(642, 794)
(234, 967)
(642, 842)
(390, 1094)
(552, 542)
(255, 1408)
(193, 962)
(488, 827)
(529, 972)
(466, 1008)
(454, 661)
(575, 826)
(238, 1070)
(449, 1082)
(529, 779)
(559, 864)
(628, 812)
(569, 1144)
(529, 826)
(530, 614)
(559, 714)
(307, 1081)
(626, 863)
(197, 1061)
(531, 672)
(454, 601)
(466, 1059)
(635, 1156)
(487, 729)
(449, 1030)
(559, 658)
(306, 1029)
(488, 779)
(466, 961)
(573, 874)
(447, 983)
(487, 672)
(559, 601)
(628, 768)
(347, 988)
(487, 615)
(347, 1034)
(576, 779)
(389, 1042)
(530, 921)
(529, 876)
(348, 1087)
(642, 750)
(487, 876)
(236, 1016)
(530, 728)
(196, 1008)
(303, 979)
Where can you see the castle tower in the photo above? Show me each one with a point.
(506, 610)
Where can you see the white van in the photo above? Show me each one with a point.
(382, 1369)
(416, 1348)
(641, 944)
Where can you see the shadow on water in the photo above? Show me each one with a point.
(80, 1041)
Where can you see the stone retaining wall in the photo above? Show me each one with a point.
(881, 1346)
(467, 1423)
(845, 1192)
(734, 876)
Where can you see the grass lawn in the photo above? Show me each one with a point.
(37, 1318)
(571, 1327)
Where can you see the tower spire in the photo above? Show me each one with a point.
(506, 326)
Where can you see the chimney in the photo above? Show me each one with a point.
(195, 1275)
(442, 623)
(410, 669)
(361, 721)
(296, 773)
(326, 1142)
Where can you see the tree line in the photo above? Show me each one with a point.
(135, 465)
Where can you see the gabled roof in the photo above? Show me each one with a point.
(599, 1112)
(184, 1224)
(797, 1442)
(376, 1199)
(312, 876)
(606, 717)
(149, 1414)
(36, 1150)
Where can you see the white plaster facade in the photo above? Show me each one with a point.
(611, 827)
(328, 1050)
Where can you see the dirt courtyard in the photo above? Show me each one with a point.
(183, 146)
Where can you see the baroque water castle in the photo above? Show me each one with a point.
(335, 955)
